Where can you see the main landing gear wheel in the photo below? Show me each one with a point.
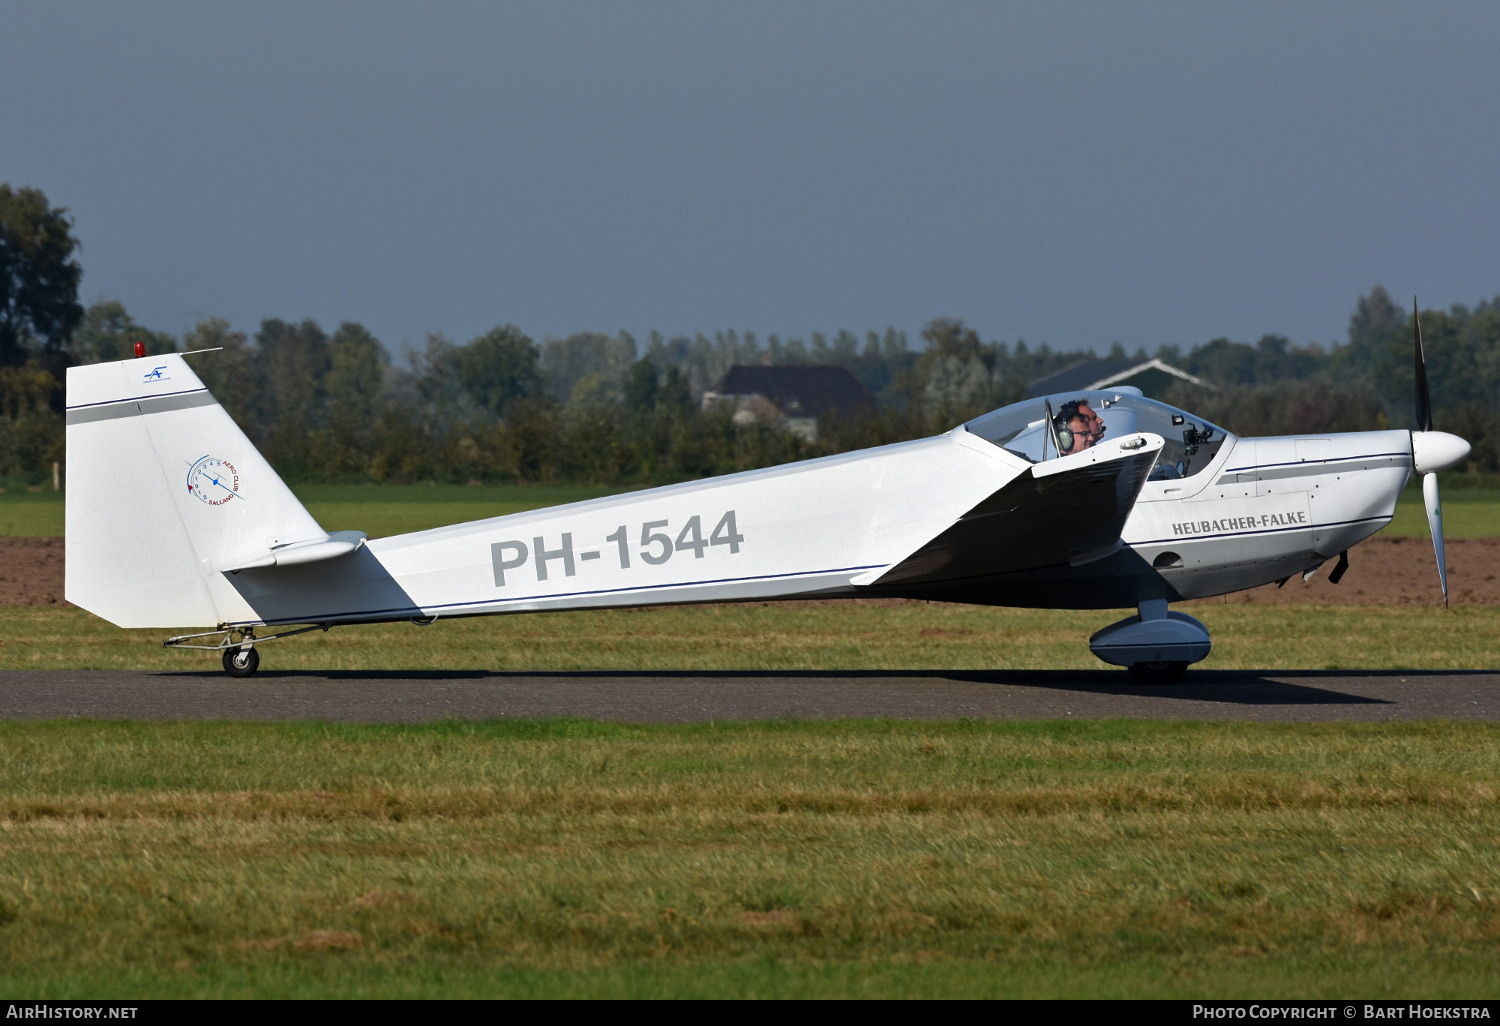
(1158, 673)
(242, 662)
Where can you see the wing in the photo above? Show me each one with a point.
(1059, 513)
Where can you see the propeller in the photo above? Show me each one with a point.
(1432, 451)
(1435, 526)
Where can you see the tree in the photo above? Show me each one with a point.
(1380, 349)
(233, 374)
(1373, 315)
(31, 432)
(356, 374)
(355, 386)
(954, 377)
(948, 337)
(431, 379)
(498, 368)
(1224, 362)
(564, 362)
(640, 390)
(38, 275)
(294, 362)
(675, 396)
(109, 333)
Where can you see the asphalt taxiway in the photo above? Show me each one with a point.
(683, 697)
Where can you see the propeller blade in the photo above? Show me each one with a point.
(1424, 399)
(1435, 525)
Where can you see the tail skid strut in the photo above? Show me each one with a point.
(247, 638)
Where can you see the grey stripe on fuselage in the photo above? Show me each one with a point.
(1311, 469)
(139, 407)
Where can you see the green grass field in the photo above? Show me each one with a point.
(837, 859)
(789, 636)
(395, 509)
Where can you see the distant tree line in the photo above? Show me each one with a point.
(608, 408)
(1274, 387)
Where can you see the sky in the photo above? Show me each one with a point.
(1071, 173)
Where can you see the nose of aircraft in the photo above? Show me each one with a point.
(1432, 451)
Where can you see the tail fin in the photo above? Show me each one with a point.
(165, 493)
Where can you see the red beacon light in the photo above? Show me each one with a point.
(140, 350)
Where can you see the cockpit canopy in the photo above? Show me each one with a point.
(1060, 425)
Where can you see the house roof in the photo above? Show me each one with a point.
(1096, 374)
(803, 390)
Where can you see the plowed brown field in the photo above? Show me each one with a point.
(31, 571)
(1396, 572)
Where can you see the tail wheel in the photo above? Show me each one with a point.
(241, 662)
(1158, 673)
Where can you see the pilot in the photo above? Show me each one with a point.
(1078, 427)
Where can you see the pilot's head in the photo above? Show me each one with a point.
(1078, 427)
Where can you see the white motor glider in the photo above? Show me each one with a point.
(1088, 500)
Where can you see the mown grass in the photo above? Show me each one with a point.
(26, 514)
(818, 859)
(790, 636)
(1467, 513)
(381, 510)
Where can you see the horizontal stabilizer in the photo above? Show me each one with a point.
(339, 543)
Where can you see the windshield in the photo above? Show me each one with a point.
(1069, 422)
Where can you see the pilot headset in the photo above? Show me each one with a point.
(1060, 424)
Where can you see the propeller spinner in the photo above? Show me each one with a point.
(1432, 451)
